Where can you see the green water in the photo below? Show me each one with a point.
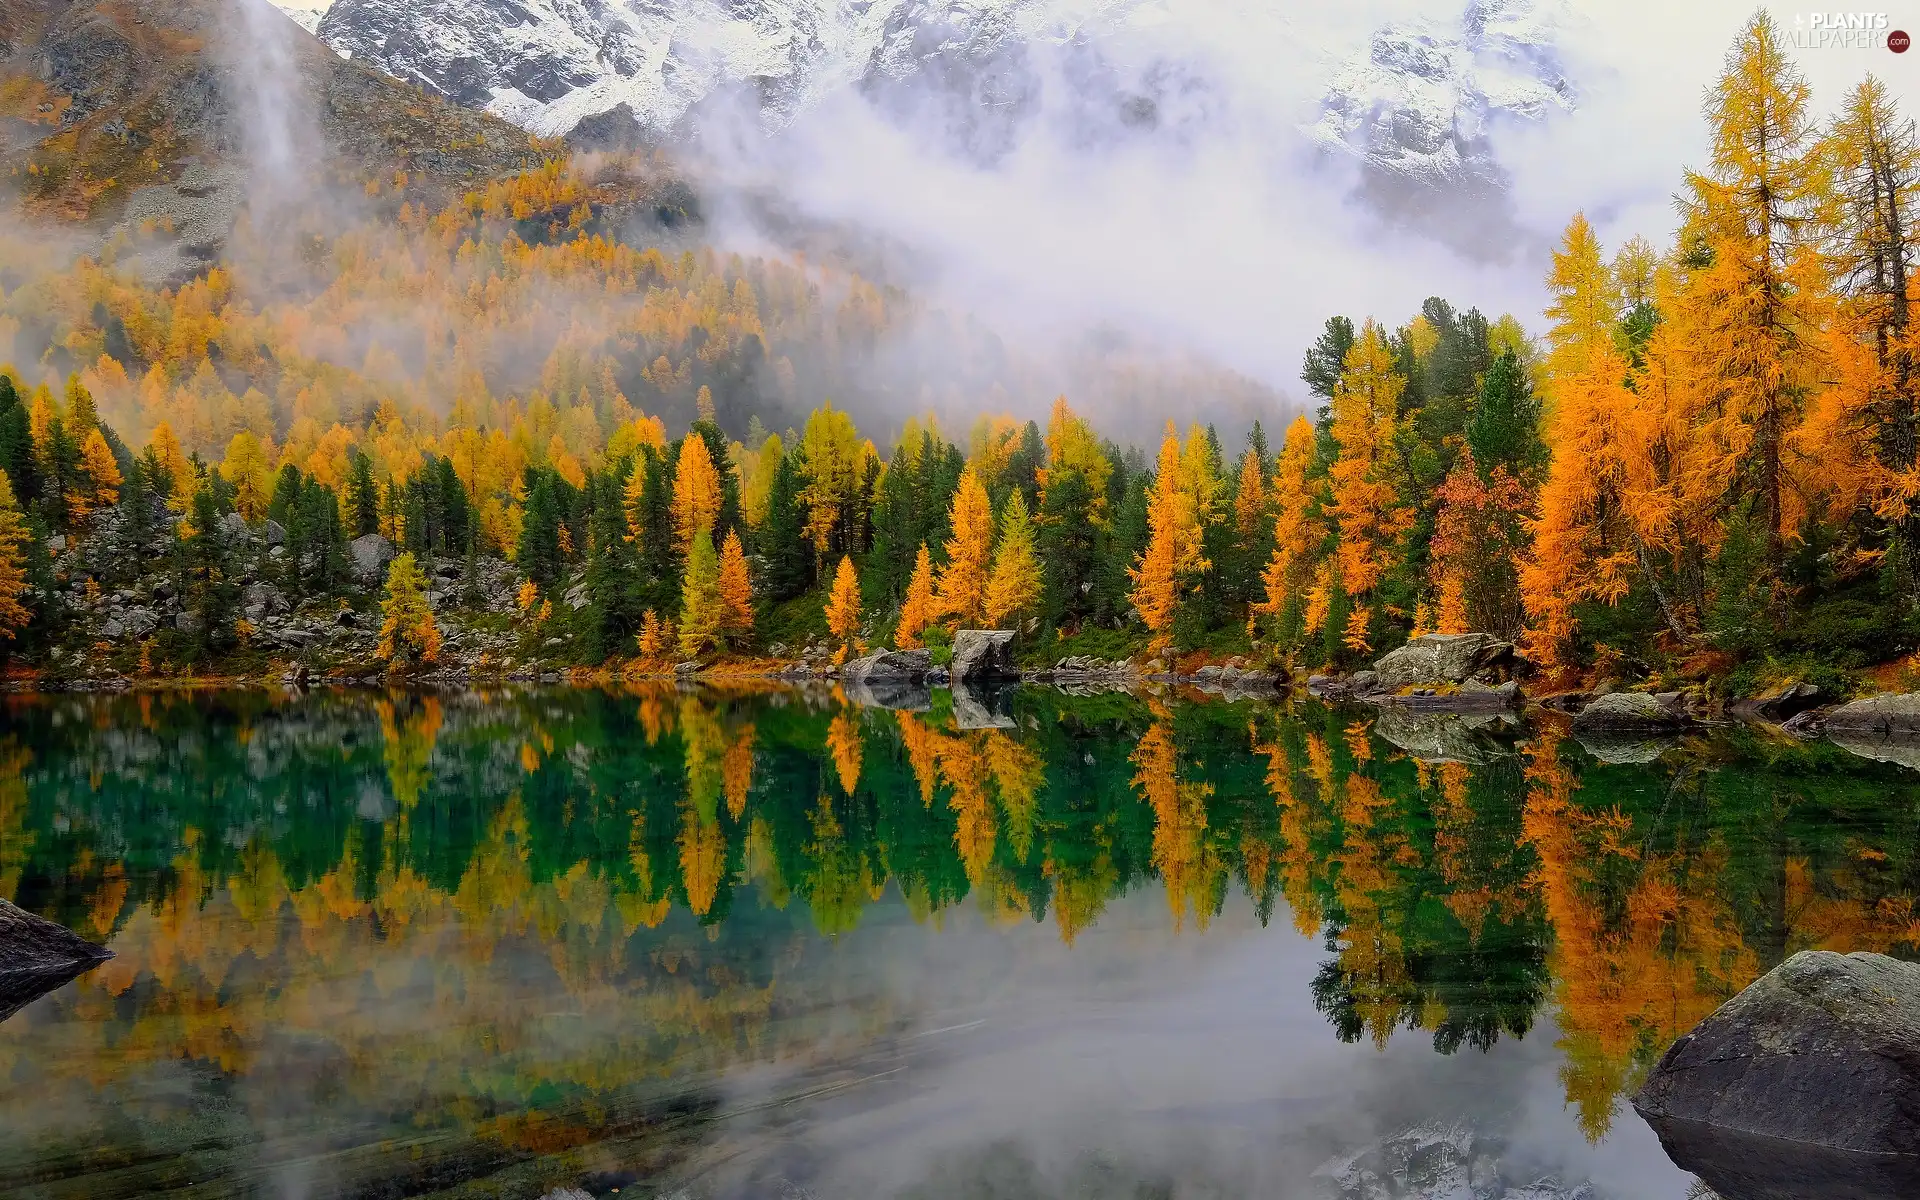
(779, 945)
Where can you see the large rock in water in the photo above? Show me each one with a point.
(1440, 658)
(1806, 1084)
(889, 666)
(37, 956)
(983, 655)
(1889, 713)
(1629, 711)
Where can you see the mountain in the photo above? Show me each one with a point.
(165, 116)
(1416, 105)
(1419, 109)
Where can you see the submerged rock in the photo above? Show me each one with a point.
(37, 956)
(1805, 1084)
(1441, 658)
(1629, 711)
(1781, 703)
(983, 654)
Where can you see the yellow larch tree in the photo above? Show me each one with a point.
(843, 607)
(1586, 388)
(1073, 448)
(1363, 502)
(166, 451)
(963, 581)
(246, 467)
(1296, 534)
(1250, 500)
(696, 492)
(1013, 589)
(1173, 552)
(99, 483)
(1752, 212)
(736, 591)
(13, 562)
(834, 458)
(920, 609)
(407, 629)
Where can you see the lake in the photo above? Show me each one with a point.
(768, 943)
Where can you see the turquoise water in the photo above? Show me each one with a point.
(774, 944)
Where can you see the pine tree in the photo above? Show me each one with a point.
(363, 497)
(702, 613)
(1013, 590)
(538, 555)
(843, 608)
(736, 592)
(783, 539)
(1327, 357)
(13, 563)
(177, 479)
(17, 457)
(963, 583)
(407, 631)
(1504, 430)
(920, 610)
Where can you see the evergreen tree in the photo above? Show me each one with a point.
(615, 600)
(1327, 357)
(1068, 542)
(1505, 428)
(16, 444)
(538, 555)
(783, 539)
(363, 497)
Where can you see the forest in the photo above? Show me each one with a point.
(1701, 467)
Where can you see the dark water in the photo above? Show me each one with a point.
(780, 946)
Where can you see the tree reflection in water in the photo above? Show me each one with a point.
(489, 933)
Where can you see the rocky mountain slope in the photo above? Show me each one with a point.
(1416, 102)
(166, 112)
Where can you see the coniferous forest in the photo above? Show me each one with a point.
(1700, 462)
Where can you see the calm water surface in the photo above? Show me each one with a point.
(777, 945)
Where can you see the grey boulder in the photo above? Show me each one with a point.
(370, 554)
(1440, 658)
(983, 654)
(1889, 713)
(37, 956)
(889, 666)
(1637, 711)
(1805, 1084)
